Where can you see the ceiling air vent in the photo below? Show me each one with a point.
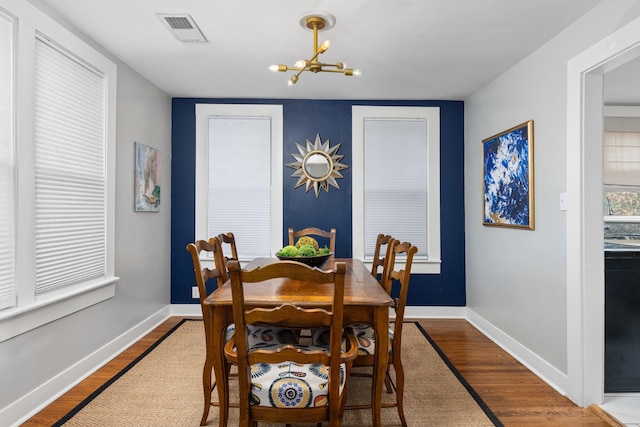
(182, 26)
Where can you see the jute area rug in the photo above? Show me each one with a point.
(164, 388)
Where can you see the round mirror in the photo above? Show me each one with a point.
(317, 165)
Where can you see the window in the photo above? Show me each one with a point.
(621, 166)
(239, 175)
(622, 174)
(58, 173)
(396, 180)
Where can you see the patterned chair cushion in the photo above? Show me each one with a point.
(266, 336)
(291, 385)
(365, 334)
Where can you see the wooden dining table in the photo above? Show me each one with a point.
(364, 301)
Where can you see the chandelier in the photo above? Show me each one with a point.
(316, 22)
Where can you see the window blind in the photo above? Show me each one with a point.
(7, 166)
(621, 159)
(239, 198)
(70, 181)
(395, 181)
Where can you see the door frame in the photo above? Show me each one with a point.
(584, 252)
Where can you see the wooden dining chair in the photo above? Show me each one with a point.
(294, 383)
(204, 249)
(261, 336)
(314, 231)
(366, 335)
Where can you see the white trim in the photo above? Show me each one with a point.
(18, 320)
(32, 403)
(585, 279)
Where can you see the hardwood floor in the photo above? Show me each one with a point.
(514, 394)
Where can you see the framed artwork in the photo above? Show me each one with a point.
(147, 177)
(508, 178)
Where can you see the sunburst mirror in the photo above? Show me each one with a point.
(317, 165)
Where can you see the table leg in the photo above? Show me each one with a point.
(381, 326)
(215, 358)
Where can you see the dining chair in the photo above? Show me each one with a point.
(260, 336)
(366, 335)
(314, 231)
(293, 383)
(208, 249)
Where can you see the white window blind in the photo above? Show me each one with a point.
(622, 159)
(7, 166)
(70, 144)
(239, 198)
(395, 181)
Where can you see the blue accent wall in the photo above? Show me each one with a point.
(303, 119)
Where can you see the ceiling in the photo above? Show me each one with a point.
(406, 49)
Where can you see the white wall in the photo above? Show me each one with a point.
(44, 360)
(516, 279)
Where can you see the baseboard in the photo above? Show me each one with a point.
(187, 310)
(540, 367)
(33, 402)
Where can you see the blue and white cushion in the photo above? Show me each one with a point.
(265, 336)
(291, 385)
(365, 334)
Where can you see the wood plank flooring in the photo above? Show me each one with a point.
(514, 394)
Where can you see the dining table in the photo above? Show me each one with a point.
(365, 301)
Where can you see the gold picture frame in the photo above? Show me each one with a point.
(508, 185)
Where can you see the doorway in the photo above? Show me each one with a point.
(585, 264)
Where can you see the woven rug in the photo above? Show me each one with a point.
(163, 387)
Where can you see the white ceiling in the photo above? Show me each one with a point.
(406, 49)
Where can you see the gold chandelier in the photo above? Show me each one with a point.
(316, 22)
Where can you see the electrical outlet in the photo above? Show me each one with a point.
(194, 292)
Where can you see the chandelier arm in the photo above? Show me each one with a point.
(333, 71)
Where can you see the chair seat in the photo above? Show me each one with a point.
(365, 334)
(265, 336)
(291, 385)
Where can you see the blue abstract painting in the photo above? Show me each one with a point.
(508, 177)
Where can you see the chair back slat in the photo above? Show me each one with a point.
(380, 249)
(290, 316)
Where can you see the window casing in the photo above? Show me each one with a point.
(62, 162)
(7, 165)
(396, 180)
(239, 175)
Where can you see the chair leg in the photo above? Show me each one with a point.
(397, 365)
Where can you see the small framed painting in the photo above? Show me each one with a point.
(147, 177)
(508, 178)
